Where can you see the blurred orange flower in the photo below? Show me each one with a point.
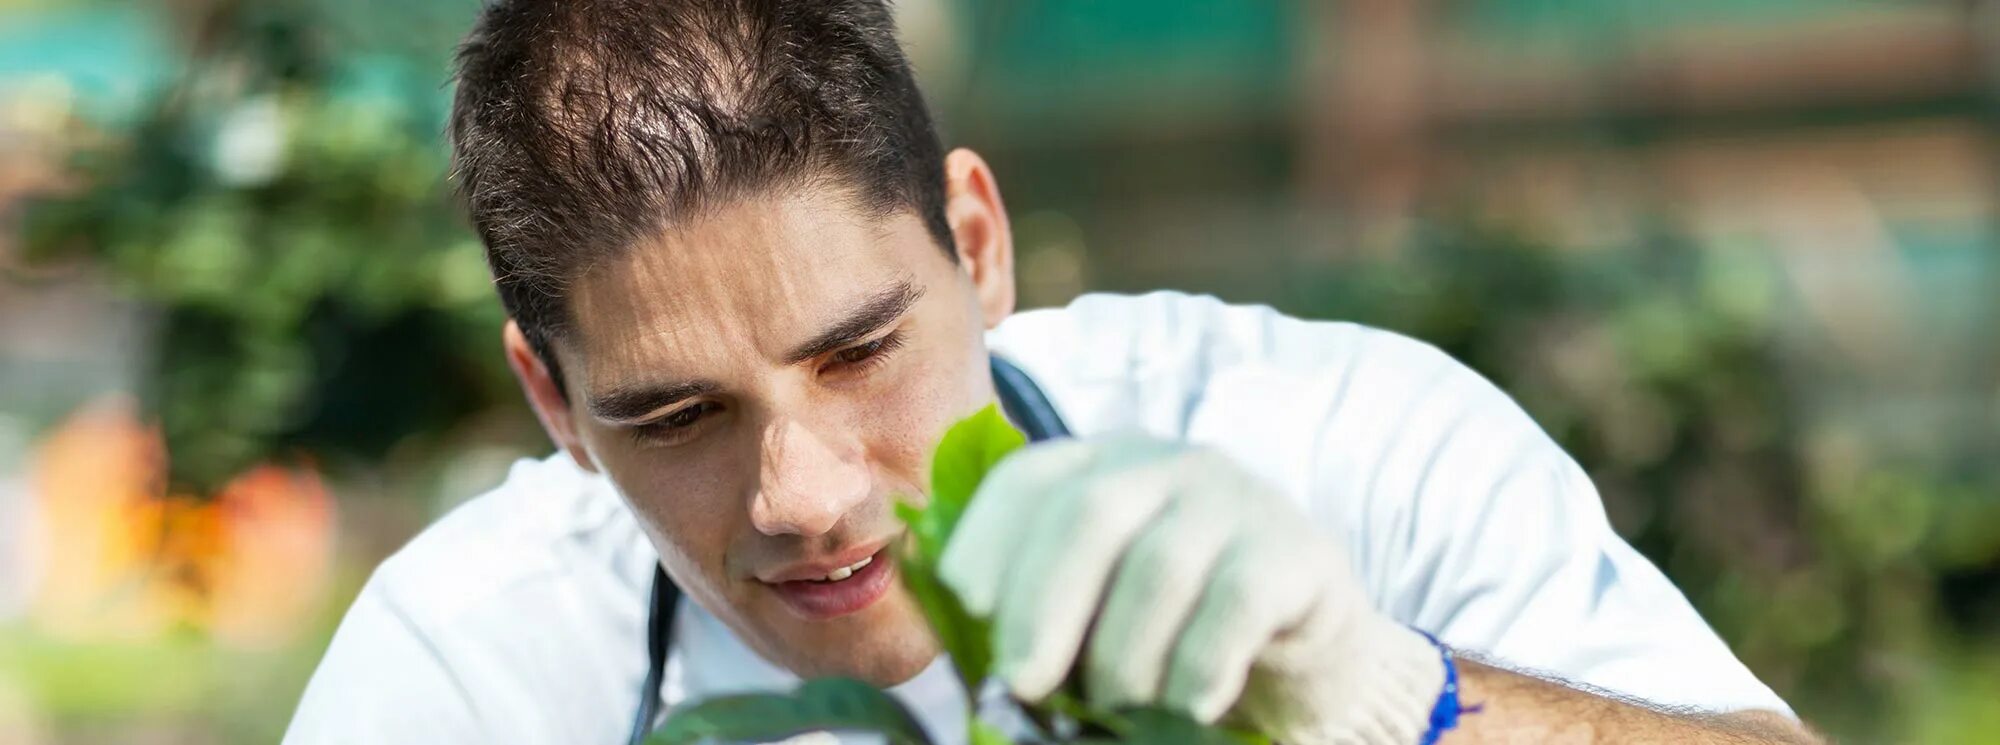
(124, 559)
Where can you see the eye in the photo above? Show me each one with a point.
(868, 352)
(676, 427)
(685, 417)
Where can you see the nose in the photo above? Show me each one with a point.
(806, 482)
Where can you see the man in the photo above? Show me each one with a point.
(748, 291)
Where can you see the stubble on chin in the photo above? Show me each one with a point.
(883, 652)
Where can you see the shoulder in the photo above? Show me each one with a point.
(1111, 334)
(519, 611)
(1194, 367)
(1165, 332)
(548, 521)
(1147, 361)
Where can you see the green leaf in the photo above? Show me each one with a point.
(968, 450)
(1094, 720)
(963, 636)
(826, 704)
(982, 733)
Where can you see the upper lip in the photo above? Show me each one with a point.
(806, 570)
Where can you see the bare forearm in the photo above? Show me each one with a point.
(1518, 708)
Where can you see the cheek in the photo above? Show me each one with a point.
(906, 415)
(689, 511)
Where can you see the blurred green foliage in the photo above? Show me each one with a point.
(317, 292)
(111, 691)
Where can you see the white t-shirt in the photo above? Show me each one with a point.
(519, 617)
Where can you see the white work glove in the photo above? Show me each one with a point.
(1196, 587)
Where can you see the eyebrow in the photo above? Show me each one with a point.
(879, 310)
(632, 403)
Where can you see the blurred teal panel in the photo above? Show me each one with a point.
(1048, 57)
(112, 56)
(1955, 273)
(416, 91)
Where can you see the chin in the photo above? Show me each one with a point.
(887, 670)
(883, 651)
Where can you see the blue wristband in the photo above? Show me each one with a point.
(1444, 715)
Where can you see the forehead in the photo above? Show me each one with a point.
(747, 278)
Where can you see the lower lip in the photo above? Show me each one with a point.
(820, 601)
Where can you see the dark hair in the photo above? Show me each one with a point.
(580, 126)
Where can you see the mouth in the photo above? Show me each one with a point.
(842, 590)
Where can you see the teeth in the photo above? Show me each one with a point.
(845, 572)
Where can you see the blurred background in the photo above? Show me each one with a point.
(1742, 257)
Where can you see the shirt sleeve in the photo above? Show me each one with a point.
(383, 682)
(1470, 522)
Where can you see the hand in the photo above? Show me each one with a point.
(1195, 586)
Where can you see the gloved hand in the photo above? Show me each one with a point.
(1195, 585)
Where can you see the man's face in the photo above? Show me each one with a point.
(763, 383)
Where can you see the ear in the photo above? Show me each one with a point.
(979, 227)
(539, 384)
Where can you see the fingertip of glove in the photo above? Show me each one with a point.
(963, 577)
(1028, 681)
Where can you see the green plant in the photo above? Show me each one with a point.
(970, 449)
